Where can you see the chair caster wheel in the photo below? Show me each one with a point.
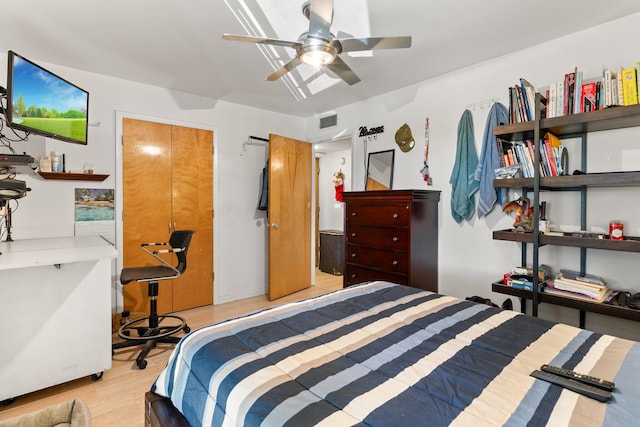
(186, 329)
(96, 377)
(141, 364)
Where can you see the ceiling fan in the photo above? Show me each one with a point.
(318, 47)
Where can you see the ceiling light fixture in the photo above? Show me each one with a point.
(317, 54)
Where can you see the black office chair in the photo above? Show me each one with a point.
(150, 329)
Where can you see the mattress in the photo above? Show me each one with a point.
(381, 354)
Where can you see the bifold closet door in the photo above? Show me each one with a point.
(192, 208)
(167, 185)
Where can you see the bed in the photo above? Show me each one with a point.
(381, 354)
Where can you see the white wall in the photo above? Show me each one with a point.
(239, 233)
(469, 259)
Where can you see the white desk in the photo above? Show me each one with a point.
(55, 311)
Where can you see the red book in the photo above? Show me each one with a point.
(550, 158)
(588, 98)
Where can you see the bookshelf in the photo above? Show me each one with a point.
(569, 126)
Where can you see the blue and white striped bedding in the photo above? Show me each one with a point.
(381, 354)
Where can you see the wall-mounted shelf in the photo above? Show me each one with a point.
(73, 176)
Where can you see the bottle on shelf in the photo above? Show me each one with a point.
(55, 162)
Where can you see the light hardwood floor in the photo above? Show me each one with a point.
(118, 398)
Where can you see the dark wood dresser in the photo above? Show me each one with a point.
(393, 236)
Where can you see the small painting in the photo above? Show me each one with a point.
(93, 204)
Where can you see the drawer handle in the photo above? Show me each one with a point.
(395, 216)
(395, 239)
(354, 275)
(353, 234)
(395, 263)
(353, 255)
(354, 213)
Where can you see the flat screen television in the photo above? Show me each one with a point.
(43, 103)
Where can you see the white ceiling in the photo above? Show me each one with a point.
(178, 44)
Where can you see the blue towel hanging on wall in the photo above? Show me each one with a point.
(463, 183)
(490, 161)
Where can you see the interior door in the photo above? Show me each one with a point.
(146, 198)
(289, 215)
(192, 209)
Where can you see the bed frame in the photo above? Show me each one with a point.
(160, 412)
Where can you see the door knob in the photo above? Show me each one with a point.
(274, 225)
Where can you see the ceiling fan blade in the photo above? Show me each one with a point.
(261, 40)
(284, 69)
(369, 43)
(343, 71)
(320, 18)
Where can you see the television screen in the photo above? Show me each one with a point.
(45, 104)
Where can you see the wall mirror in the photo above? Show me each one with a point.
(380, 170)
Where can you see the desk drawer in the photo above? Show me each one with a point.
(391, 238)
(392, 261)
(378, 215)
(355, 274)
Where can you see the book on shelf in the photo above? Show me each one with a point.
(529, 95)
(524, 283)
(551, 161)
(552, 289)
(521, 110)
(619, 85)
(591, 291)
(629, 86)
(551, 101)
(578, 92)
(638, 78)
(569, 90)
(588, 99)
(582, 277)
(559, 98)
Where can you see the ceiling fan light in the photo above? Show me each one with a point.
(316, 56)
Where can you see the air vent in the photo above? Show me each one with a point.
(329, 121)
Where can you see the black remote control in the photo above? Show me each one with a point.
(573, 385)
(587, 379)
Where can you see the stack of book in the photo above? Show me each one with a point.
(574, 284)
(553, 156)
(574, 95)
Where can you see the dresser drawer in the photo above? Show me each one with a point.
(394, 215)
(392, 261)
(355, 274)
(391, 238)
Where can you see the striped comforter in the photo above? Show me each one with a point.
(381, 354)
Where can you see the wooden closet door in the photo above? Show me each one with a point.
(146, 166)
(192, 208)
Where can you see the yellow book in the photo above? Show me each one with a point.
(629, 86)
(554, 140)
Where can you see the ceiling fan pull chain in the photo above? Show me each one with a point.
(425, 169)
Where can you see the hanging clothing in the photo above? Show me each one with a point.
(463, 184)
(490, 161)
(263, 203)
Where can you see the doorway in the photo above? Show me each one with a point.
(331, 157)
